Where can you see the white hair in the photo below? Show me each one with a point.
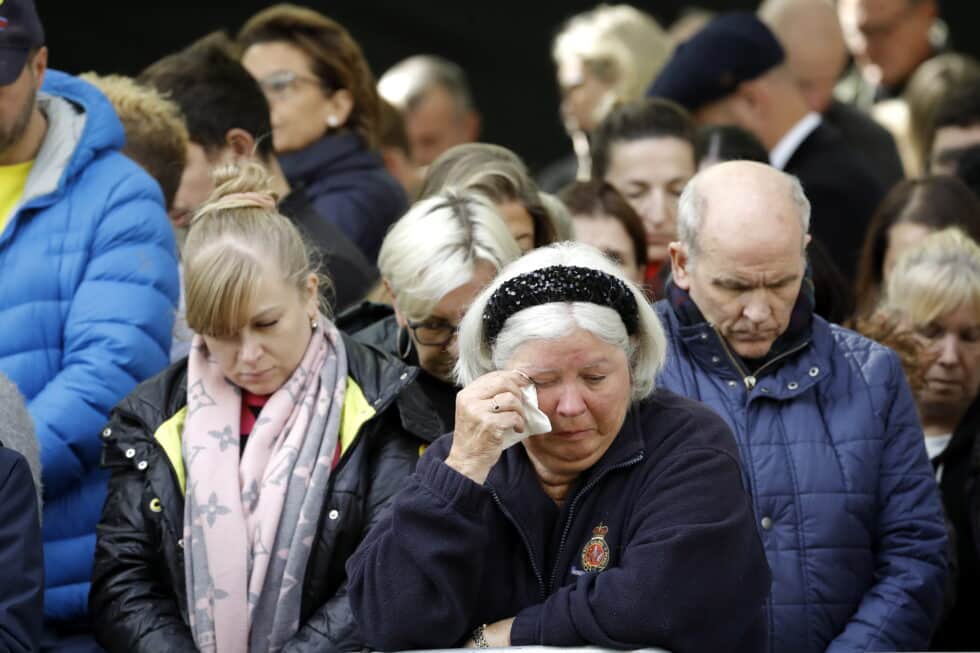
(626, 46)
(433, 249)
(693, 204)
(645, 350)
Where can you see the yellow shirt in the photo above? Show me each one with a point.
(12, 181)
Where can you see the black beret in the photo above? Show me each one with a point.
(731, 49)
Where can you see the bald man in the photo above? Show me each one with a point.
(843, 493)
(811, 35)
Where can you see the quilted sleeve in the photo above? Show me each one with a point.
(118, 325)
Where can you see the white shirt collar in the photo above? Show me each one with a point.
(792, 140)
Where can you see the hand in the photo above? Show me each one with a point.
(497, 634)
(485, 409)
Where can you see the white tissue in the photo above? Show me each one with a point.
(535, 423)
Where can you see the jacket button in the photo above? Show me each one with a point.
(792, 385)
(155, 504)
(732, 384)
(403, 376)
(180, 543)
(106, 432)
(704, 336)
(814, 371)
(764, 391)
(333, 514)
(130, 453)
(716, 359)
(766, 523)
(141, 465)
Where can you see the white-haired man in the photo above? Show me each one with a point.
(831, 446)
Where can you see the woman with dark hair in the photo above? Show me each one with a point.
(326, 115)
(500, 176)
(604, 219)
(912, 210)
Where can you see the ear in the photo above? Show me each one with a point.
(402, 322)
(312, 298)
(241, 142)
(39, 65)
(474, 122)
(680, 265)
(340, 105)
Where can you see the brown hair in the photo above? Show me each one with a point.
(497, 173)
(233, 241)
(335, 56)
(598, 199)
(935, 202)
(156, 135)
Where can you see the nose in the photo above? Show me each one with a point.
(949, 350)
(570, 403)
(757, 308)
(250, 351)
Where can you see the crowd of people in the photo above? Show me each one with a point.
(291, 361)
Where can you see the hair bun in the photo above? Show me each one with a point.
(247, 186)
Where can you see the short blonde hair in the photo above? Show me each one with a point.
(621, 45)
(156, 134)
(434, 247)
(645, 350)
(233, 242)
(939, 275)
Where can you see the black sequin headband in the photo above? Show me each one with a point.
(559, 283)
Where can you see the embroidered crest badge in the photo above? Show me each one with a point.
(595, 554)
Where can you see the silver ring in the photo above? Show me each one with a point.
(495, 407)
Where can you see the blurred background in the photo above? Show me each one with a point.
(503, 45)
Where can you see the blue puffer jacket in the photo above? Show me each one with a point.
(845, 499)
(87, 299)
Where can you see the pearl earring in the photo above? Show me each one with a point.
(314, 325)
(332, 121)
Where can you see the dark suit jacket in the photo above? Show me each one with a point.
(842, 191)
(869, 139)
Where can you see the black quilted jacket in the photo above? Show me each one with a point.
(139, 599)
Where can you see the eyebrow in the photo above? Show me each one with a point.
(735, 281)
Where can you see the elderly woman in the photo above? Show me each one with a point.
(500, 175)
(434, 262)
(326, 115)
(934, 293)
(244, 475)
(619, 520)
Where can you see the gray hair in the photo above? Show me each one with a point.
(693, 205)
(434, 247)
(405, 83)
(645, 350)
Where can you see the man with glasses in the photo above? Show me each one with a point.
(888, 40)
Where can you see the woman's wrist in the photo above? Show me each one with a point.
(473, 470)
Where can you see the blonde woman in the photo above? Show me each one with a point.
(246, 474)
(934, 293)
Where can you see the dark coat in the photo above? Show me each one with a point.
(351, 275)
(139, 597)
(870, 140)
(349, 186)
(655, 546)
(961, 498)
(21, 557)
(842, 191)
(841, 486)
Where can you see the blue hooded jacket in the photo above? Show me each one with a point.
(843, 493)
(87, 300)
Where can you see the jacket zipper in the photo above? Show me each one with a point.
(750, 379)
(571, 512)
(527, 542)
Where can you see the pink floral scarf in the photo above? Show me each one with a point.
(250, 521)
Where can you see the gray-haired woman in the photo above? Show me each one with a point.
(620, 520)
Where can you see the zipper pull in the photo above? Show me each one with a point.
(749, 382)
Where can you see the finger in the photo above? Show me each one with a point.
(496, 383)
(506, 402)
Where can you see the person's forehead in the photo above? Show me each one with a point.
(661, 157)
(603, 230)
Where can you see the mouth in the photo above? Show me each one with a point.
(254, 376)
(572, 436)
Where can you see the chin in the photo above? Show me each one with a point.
(658, 254)
(752, 349)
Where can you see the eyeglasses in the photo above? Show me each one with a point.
(281, 83)
(434, 333)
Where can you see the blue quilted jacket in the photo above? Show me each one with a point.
(87, 295)
(844, 496)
